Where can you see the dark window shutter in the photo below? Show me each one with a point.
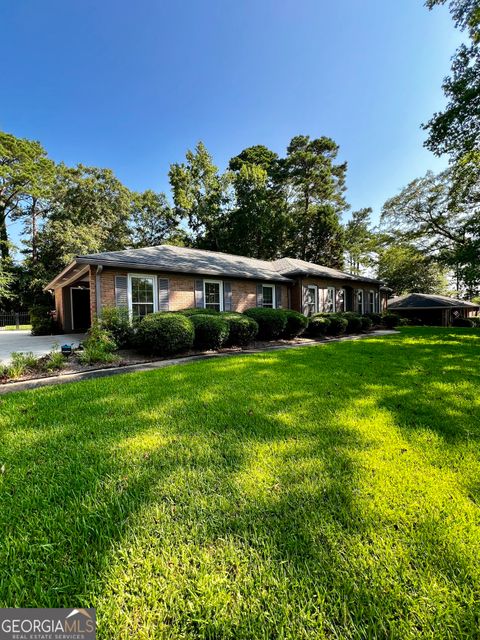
(259, 295)
(278, 296)
(227, 296)
(199, 294)
(121, 291)
(163, 294)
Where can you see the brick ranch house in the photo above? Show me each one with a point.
(169, 278)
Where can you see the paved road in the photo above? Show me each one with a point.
(22, 341)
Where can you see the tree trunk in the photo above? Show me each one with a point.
(4, 247)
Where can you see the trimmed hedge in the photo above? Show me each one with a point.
(165, 333)
(462, 322)
(211, 331)
(391, 320)
(354, 322)
(338, 324)
(475, 320)
(376, 318)
(198, 311)
(318, 326)
(296, 324)
(367, 323)
(243, 330)
(271, 322)
(42, 321)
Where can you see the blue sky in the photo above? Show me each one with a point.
(132, 85)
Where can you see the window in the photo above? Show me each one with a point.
(329, 306)
(311, 300)
(359, 301)
(268, 297)
(142, 295)
(371, 302)
(340, 300)
(212, 294)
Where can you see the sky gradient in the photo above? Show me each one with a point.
(132, 85)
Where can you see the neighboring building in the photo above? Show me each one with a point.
(431, 309)
(169, 278)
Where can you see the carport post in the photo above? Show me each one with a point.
(17, 320)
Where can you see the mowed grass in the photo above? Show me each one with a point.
(322, 492)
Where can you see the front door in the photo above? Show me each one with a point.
(80, 308)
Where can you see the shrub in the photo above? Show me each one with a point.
(20, 364)
(243, 330)
(42, 321)
(376, 318)
(99, 345)
(367, 323)
(116, 321)
(318, 326)
(211, 331)
(391, 320)
(296, 323)
(271, 322)
(165, 333)
(198, 311)
(475, 320)
(354, 322)
(338, 324)
(53, 361)
(462, 322)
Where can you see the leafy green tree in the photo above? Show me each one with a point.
(360, 240)
(456, 129)
(257, 224)
(24, 171)
(407, 270)
(200, 194)
(316, 191)
(154, 221)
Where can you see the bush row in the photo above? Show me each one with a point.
(167, 333)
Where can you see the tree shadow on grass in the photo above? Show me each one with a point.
(188, 467)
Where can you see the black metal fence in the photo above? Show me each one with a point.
(14, 321)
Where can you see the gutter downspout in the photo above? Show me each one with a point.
(98, 291)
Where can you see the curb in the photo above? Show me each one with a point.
(25, 385)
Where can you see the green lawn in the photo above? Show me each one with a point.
(323, 492)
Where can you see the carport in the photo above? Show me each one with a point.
(431, 310)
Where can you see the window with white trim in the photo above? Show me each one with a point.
(268, 296)
(212, 295)
(142, 295)
(329, 305)
(360, 301)
(340, 300)
(311, 300)
(371, 302)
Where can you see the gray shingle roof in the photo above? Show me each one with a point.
(424, 301)
(294, 267)
(185, 260)
(209, 263)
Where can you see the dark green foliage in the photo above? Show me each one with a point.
(390, 320)
(337, 323)
(376, 318)
(296, 324)
(116, 321)
(367, 323)
(243, 330)
(99, 345)
(354, 322)
(318, 326)
(271, 322)
(165, 333)
(462, 322)
(195, 311)
(476, 321)
(211, 332)
(42, 321)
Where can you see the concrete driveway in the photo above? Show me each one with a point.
(22, 341)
